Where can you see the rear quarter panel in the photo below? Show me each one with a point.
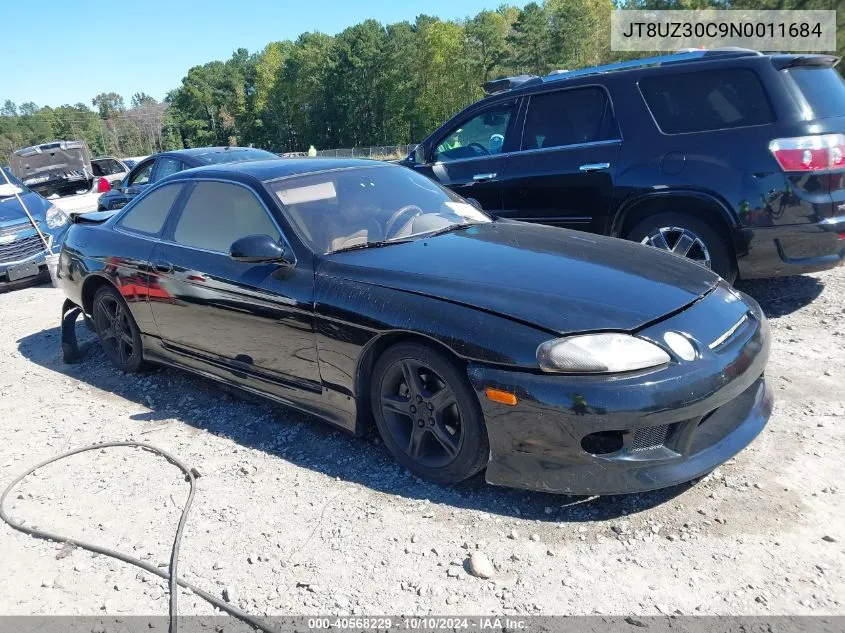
(92, 253)
(733, 166)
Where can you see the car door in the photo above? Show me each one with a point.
(563, 173)
(470, 157)
(256, 320)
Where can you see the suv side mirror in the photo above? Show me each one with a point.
(258, 249)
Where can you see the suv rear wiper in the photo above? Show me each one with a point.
(375, 244)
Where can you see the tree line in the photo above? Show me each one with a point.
(371, 84)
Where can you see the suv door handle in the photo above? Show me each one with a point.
(479, 177)
(594, 166)
(163, 267)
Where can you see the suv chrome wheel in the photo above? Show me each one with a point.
(679, 241)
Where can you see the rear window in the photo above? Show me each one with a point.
(707, 100)
(822, 88)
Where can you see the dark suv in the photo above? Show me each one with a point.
(730, 157)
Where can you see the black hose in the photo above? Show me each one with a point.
(171, 575)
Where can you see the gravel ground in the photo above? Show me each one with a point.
(292, 517)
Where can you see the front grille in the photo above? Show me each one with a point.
(21, 249)
(650, 437)
(15, 228)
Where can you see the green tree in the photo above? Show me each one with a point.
(531, 40)
(140, 99)
(108, 104)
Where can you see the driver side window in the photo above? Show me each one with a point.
(482, 135)
(142, 176)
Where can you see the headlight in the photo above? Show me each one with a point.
(56, 217)
(599, 354)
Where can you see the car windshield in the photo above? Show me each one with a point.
(364, 206)
(234, 156)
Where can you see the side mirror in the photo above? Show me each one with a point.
(257, 249)
(418, 155)
(116, 184)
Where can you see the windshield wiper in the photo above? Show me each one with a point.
(375, 244)
(450, 228)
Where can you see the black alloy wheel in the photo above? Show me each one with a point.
(117, 330)
(427, 414)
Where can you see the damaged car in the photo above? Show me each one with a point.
(22, 249)
(62, 172)
(371, 297)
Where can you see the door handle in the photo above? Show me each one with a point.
(594, 166)
(489, 176)
(163, 267)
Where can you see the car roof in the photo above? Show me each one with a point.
(267, 170)
(196, 152)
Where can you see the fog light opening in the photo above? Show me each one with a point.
(602, 443)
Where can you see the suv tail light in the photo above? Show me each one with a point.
(810, 153)
(103, 185)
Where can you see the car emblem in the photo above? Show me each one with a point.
(6, 239)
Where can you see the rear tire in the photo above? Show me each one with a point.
(427, 414)
(116, 328)
(677, 229)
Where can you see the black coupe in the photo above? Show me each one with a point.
(361, 291)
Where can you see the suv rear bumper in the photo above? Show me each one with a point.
(791, 250)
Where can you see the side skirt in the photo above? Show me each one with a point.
(310, 403)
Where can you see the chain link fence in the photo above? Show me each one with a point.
(377, 152)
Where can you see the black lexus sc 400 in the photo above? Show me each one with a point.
(361, 291)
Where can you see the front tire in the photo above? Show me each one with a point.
(427, 414)
(689, 237)
(118, 333)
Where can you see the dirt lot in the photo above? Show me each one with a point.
(292, 517)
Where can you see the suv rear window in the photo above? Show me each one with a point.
(707, 100)
(822, 88)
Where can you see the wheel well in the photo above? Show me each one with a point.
(89, 289)
(705, 210)
(367, 363)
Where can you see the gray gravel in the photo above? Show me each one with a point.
(293, 517)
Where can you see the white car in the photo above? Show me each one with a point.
(63, 172)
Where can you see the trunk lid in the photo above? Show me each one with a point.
(555, 279)
(53, 167)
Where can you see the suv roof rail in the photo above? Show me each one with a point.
(672, 58)
(687, 55)
(508, 83)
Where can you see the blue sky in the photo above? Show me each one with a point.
(148, 45)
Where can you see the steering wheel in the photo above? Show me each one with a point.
(392, 223)
(483, 149)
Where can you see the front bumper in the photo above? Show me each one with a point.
(27, 248)
(791, 250)
(600, 435)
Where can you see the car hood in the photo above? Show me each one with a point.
(12, 214)
(560, 280)
(51, 161)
